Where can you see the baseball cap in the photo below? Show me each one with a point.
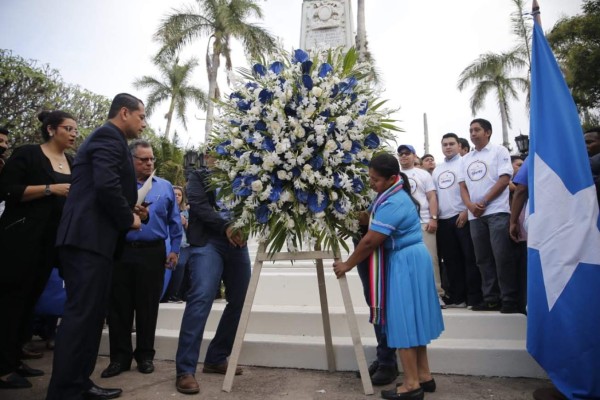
(407, 147)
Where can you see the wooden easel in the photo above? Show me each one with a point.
(319, 256)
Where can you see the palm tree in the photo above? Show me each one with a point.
(490, 73)
(173, 85)
(220, 21)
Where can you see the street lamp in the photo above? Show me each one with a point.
(522, 144)
(190, 162)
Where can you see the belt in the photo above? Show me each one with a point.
(142, 244)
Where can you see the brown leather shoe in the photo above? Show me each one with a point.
(219, 369)
(187, 384)
(30, 354)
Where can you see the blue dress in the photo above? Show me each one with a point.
(413, 314)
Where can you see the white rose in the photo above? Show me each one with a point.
(347, 145)
(257, 186)
(282, 175)
(317, 91)
(238, 143)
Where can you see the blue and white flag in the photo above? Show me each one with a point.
(564, 237)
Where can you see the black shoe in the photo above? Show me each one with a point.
(98, 393)
(486, 306)
(146, 367)
(392, 394)
(427, 386)
(14, 381)
(384, 375)
(114, 368)
(509, 308)
(26, 371)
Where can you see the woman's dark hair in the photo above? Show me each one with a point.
(52, 119)
(121, 100)
(386, 165)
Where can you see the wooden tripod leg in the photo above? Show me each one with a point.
(325, 316)
(243, 324)
(353, 325)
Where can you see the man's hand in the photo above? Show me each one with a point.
(141, 211)
(478, 209)
(171, 261)
(235, 237)
(137, 223)
(514, 231)
(431, 226)
(462, 219)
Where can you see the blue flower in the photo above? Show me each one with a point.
(259, 69)
(356, 147)
(299, 56)
(364, 105)
(252, 85)
(244, 105)
(307, 81)
(262, 214)
(337, 180)
(250, 139)
(290, 110)
(314, 205)
(276, 67)
(347, 158)
(260, 125)
(331, 128)
(357, 185)
(236, 95)
(301, 196)
(221, 148)
(316, 162)
(306, 66)
(235, 122)
(267, 144)
(296, 172)
(240, 187)
(265, 96)
(275, 193)
(339, 207)
(372, 141)
(334, 91)
(324, 69)
(255, 160)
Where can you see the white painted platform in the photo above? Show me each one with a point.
(285, 329)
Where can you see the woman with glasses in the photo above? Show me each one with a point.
(34, 183)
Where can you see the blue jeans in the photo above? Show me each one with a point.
(207, 266)
(174, 288)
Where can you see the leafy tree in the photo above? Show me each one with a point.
(27, 88)
(220, 21)
(174, 86)
(576, 44)
(490, 73)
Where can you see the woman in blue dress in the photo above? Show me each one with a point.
(404, 296)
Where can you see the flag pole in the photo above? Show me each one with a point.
(535, 12)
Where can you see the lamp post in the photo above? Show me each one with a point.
(522, 144)
(190, 161)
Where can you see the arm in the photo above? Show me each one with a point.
(466, 198)
(519, 198)
(200, 207)
(368, 244)
(433, 211)
(497, 189)
(174, 222)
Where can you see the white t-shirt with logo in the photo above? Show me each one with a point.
(480, 172)
(445, 178)
(420, 183)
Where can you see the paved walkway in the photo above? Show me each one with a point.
(259, 383)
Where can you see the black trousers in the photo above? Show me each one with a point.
(87, 282)
(456, 247)
(136, 288)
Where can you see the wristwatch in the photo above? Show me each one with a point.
(47, 191)
(434, 217)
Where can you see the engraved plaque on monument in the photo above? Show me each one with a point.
(326, 23)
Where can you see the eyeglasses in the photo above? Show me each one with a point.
(145, 159)
(69, 128)
(404, 153)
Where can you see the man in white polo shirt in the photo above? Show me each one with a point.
(453, 234)
(423, 190)
(484, 180)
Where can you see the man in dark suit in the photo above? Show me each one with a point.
(98, 213)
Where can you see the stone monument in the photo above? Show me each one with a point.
(326, 23)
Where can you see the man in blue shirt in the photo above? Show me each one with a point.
(139, 273)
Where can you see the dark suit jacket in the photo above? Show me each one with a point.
(27, 228)
(204, 221)
(98, 212)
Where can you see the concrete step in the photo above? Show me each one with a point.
(474, 343)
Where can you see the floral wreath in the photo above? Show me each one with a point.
(292, 144)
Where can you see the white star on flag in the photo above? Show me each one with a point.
(563, 229)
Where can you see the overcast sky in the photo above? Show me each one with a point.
(420, 48)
